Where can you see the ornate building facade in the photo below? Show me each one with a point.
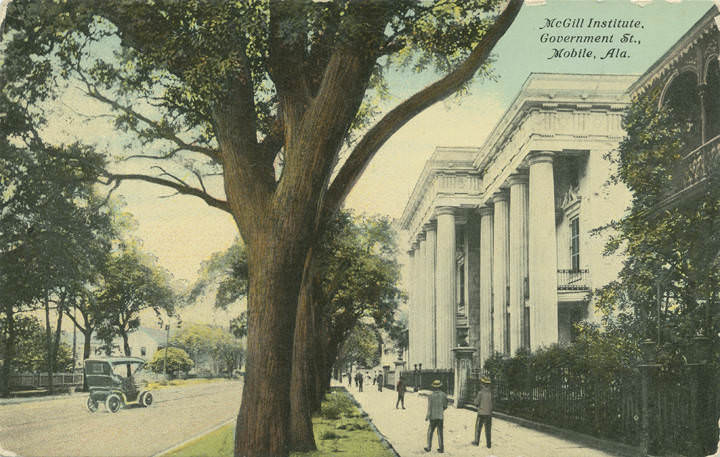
(504, 253)
(501, 256)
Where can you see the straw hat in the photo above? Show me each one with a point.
(436, 383)
(485, 380)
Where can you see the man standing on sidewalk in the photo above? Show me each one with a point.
(401, 394)
(484, 403)
(380, 382)
(437, 403)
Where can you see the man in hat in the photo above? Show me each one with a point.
(401, 393)
(484, 403)
(437, 403)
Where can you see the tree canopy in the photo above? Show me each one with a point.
(277, 97)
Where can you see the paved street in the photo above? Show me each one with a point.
(64, 427)
(407, 431)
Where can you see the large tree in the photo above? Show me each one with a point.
(265, 93)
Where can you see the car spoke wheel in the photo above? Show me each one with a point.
(92, 405)
(113, 403)
(146, 399)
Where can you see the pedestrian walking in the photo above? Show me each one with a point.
(437, 403)
(357, 380)
(484, 403)
(349, 380)
(360, 381)
(400, 387)
(380, 382)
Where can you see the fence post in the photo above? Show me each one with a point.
(463, 365)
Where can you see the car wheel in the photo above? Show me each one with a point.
(146, 399)
(113, 403)
(92, 405)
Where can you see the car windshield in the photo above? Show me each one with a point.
(126, 369)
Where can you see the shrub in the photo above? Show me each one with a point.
(177, 361)
(329, 435)
(335, 405)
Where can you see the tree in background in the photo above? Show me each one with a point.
(178, 361)
(201, 340)
(131, 283)
(271, 110)
(54, 228)
(31, 354)
(398, 333)
(360, 348)
(356, 283)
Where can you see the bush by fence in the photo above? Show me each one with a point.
(596, 387)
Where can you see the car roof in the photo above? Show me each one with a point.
(118, 360)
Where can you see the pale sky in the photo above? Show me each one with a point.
(183, 231)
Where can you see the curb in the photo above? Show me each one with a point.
(199, 435)
(366, 416)
(600, 444)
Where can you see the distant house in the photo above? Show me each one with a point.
(144, 342)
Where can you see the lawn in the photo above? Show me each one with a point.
(183, 382)
(340, 429)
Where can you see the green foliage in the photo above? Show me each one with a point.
(597, 357)
(668, 287)
(178, 361)
(337, 405)
(228, 272)
(358, 279)
(224, 348)
(131, 282)
(361, 347)
(31, 354)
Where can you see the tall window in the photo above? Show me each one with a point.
(575, 243)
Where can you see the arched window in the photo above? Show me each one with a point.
(682, 100)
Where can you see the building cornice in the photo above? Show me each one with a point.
(556, 92)
(667, 62)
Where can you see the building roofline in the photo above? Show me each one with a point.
(656, 70)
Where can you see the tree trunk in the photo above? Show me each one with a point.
(48, 343)
(86, 346)
(9, 349)
(262, 428)
(126, 344)
(303, 395)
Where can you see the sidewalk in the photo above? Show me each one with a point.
(406, 430)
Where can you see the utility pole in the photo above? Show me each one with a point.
(167, 343)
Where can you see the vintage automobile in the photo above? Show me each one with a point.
(117, 382)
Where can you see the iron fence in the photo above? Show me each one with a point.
(423, 379)
(41, 380)
(610, 410)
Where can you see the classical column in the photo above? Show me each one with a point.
(472, 272)
(500, 271)
(518, 256)
(542, 252)
(486, 267)
(413, 305)
(445, 284)
(422, 339)
(429, 360)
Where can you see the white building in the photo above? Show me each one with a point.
(502, 253)
(502, 256)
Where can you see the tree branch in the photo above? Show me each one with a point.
(161, 131)
(180, 188)
(354, 166)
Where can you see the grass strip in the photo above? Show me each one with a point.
(339, 430)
